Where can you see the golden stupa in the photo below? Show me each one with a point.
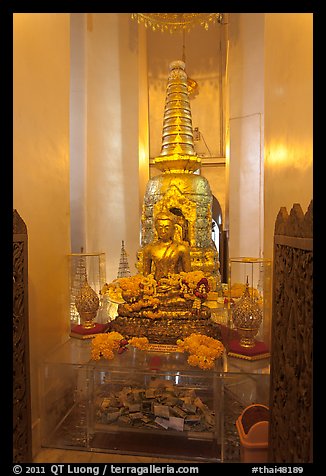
(177, 261)
(178, 190)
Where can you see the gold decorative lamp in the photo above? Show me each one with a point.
(174, 22)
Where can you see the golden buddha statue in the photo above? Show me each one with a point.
(166, 255)
(178, 189)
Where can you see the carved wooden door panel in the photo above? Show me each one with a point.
(290, 438)
(22, 433)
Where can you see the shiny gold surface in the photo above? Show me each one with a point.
(190, 198)
(166, 330)
(190, 195)
(247, 317)
(178, 151)
(87, 304)
(166, 255)
(186, 243)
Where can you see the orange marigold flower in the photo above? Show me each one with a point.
(139, 342)
(104, 344)
(203, 350)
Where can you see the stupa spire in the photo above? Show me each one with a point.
(178, 152)
(124, 269)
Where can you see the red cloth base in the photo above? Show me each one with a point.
(97, 329)
(228, 334)
(231, 340)
(259, 348)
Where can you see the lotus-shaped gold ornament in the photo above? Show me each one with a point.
(247, 317)
(87, 304)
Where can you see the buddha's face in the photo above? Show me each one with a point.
(164, 229)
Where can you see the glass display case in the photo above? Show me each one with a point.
(249, 306)
(147, 403)
(155, 403)
(64, 383)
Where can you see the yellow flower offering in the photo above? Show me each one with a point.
(141, 343)
(203, 350)
(107, 344)
(104, 345)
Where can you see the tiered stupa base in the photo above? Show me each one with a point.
(165, 330)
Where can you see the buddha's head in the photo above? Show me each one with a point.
(164, 225)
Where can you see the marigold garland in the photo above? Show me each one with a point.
(140, 291)
(104, 345)
(141, 343)
(203, 350)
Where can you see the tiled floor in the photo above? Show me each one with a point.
(50, 455)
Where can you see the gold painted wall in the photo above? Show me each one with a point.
(112, 190)
(246, 109)
(288, 151)
(41, 177)
(78, 127)
(217, 180)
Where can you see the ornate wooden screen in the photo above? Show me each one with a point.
(22, 433)
(290, 438)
